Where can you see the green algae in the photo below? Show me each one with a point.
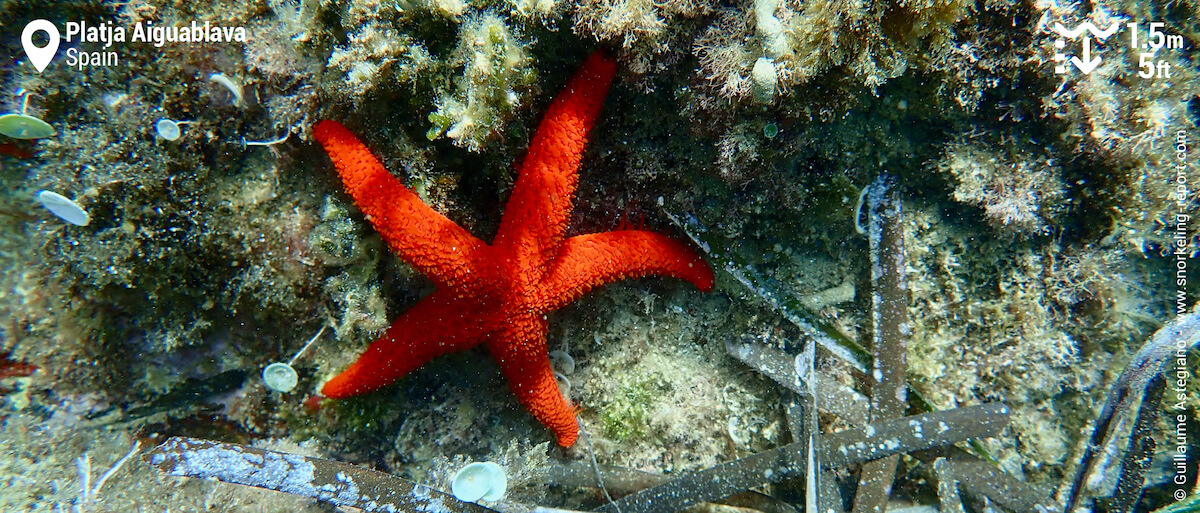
(626, 416)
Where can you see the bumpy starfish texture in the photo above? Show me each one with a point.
(500, 294)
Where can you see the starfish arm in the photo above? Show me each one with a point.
(520, 349)
(433, 244)
(588, 261)
(433, 327)
(536, 216)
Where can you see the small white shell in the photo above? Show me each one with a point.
(562, 362)
(168, 129)
(280, 377)
(234, 88)
(477, 481)
(63, 207)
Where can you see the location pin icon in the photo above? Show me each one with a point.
(40, 57)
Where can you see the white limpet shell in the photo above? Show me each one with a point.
(63, 207)
(168, 129)
(280, 377)
(234, 88)
(478, 481)
(562, 362)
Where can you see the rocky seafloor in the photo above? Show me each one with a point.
(1041, 226)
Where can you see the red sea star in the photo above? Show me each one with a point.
(500, 293)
